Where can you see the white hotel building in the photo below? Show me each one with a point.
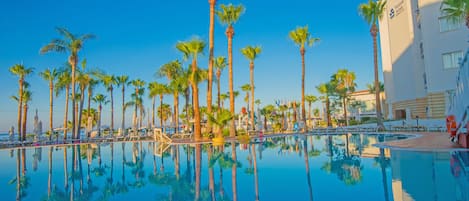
(420, 49)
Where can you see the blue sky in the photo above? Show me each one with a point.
(136, 37)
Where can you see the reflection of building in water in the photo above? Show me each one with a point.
(426, 176)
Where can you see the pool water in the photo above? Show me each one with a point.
(327, 167)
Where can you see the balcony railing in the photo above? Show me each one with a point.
(459, 100)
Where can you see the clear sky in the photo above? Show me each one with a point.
(136, 37)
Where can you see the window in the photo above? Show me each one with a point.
(451, 60)
(449, 24)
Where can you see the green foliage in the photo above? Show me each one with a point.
(455, 9)
(372, 11)
(302, 37)
(229, 14)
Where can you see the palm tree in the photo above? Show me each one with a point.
(251, 54)
(91, 85)
(220, 64)
(83, 79)
(302, 37)
(310, 99)
(212, 4)
(50, 75)
(172, 71)
(101, 100)
(345, 84)
(27, 97)
(152, 93)
(229, 15)
(109, 81)
(21, 71)
(372, 12)
(72, 44)
(164, 111)
(456, 10)
(327, 90)
(371, 87)
(63, 82)
(192, 49)
(161, 90)
(221, 119)
(223, 97)
(123, 81)
(138, 85)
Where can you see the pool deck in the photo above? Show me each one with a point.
(425, 141)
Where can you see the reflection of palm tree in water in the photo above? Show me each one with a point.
(308, 178)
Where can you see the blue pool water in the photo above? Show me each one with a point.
(339, 167)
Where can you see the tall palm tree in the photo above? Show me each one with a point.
(27, 97)
(192, 49)
(21, 71)
(212, 4)
(302, 37)
(345, 84)
(73, 44)
(50, 75)
(138, 85)
(123, 81)
(456, 10)
(220, 64)
(109, 81)
(310, 99)
(101, 100)
(63, 83)
(91, 85)
(327, 90)
(251, 54)
(229, 15)
(83, 79)
(372, 12)
(152, 93)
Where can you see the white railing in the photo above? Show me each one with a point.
(459, 100)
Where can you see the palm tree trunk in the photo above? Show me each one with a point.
(251, 75)
(210, 61)
(309, 112)
(153, 111)
(374, 32)
(51, 108)
(123, 110)
(176, 112)
(25, 118)
(218, 89)
(112, 111)
(80, 113)
(230, 34)
(303, 110)
(99, 119)
(66, 111)
(20, 105)
(161, 111)
(73, 60)
(90, 94)
(195, 96)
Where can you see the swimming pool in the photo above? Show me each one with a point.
(327, 167)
